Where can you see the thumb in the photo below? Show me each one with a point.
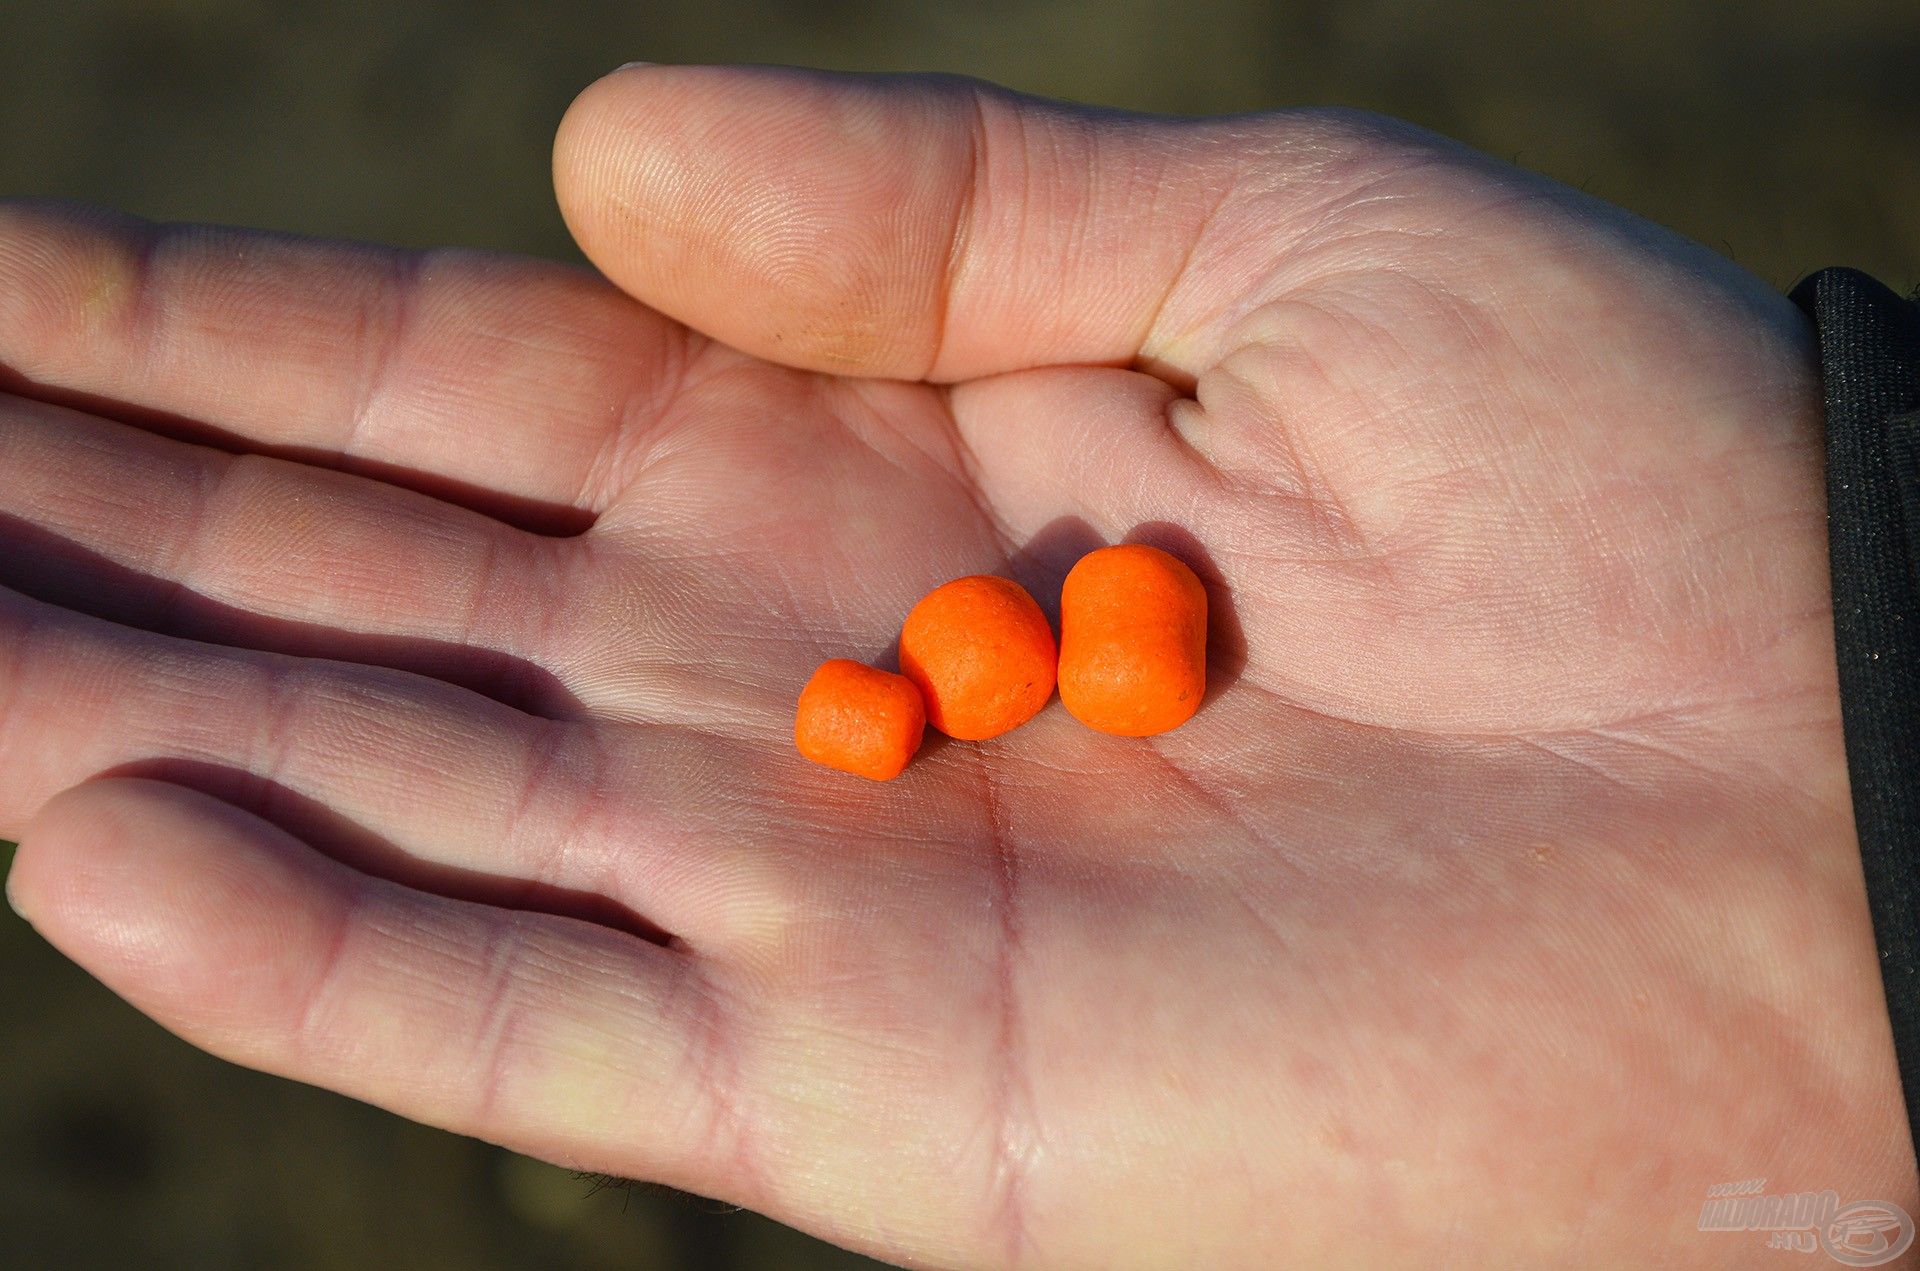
(910, 226)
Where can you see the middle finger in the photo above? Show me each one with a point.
(273, 554)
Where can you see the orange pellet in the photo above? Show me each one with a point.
(1133, 641)
(859, 719)
(982, 655)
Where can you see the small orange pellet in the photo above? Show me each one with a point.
(982, 655)
(1133, 641)
(859, 719)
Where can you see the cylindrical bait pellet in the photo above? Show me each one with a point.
(1133, 641)
(858, 719)
(982, 654)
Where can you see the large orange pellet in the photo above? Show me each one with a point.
(1133, 641)
(982, 655)
(859, 720)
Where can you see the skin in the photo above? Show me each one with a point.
(1501, 899)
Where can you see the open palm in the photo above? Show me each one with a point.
(418, 636)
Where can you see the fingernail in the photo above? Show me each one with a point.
(13, 902)
(632, 65)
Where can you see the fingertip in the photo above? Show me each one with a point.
(14, 901)
(588, 158)
(581, 125)
(68, 275)
(71, 839)
(803, 216)
(172, 898)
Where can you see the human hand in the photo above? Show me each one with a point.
(1501, 899)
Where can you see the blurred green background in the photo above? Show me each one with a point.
(1786, 135)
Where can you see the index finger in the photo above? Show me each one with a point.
(508, 379)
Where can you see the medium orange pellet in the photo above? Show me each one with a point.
(859, 719)
(982, 655)
(1133, 641)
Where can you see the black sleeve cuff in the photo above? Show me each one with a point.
(1870, 378)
